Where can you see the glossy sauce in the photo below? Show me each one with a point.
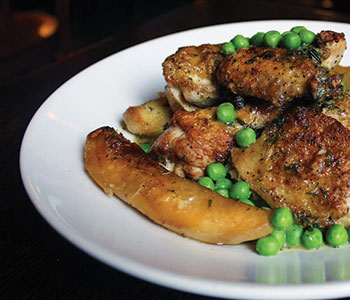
(346, 72)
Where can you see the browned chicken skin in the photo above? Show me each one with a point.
(195, 139)
(301, 160)
(189, 74)
(276, 75)
(191, 81)
(332, 46)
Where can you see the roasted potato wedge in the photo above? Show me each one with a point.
(148, 119)
(181, 205)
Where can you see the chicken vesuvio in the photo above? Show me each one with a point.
(293, 99)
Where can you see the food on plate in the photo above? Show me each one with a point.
(192, 82)
(195, 139)
(177, 203)
(150, 118)
(249, 143)
(300, 161)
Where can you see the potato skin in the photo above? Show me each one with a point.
(176, 203)
(148, 119)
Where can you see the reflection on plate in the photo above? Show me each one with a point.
(54, 177)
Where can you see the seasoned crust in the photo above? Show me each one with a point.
(276, 75)
(191, 71)
(195, 138)
(301, 161)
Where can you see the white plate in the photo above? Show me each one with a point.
(53, 174)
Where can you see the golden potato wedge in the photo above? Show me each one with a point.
(148, 119)
(179, 204)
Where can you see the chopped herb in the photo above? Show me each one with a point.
(265, 55)
(314, 55)
(329, 159)
(240, 122)
(291, 167)
(210, 202)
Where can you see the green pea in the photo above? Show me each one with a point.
(223, 183)
(206, 182)
(272, 38)
(226, 112)
(247, 201)
(279, 235)
(344, 87)
(312, 239)
(216, 171)
(282, 218)
(293, 235)
(296, 29)
(267, 246)
(286, 32)
(223, 192)
(257, 39)
(240, 190)
(291, 41)
(336, 235)
(239, 41)
(227, 48)
(306, 36)
(245, 137)
(146, 147)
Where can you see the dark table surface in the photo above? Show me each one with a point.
(36, 262)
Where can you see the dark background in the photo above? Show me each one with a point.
(84, 22)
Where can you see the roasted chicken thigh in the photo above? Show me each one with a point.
(302, 161)
(276, 75)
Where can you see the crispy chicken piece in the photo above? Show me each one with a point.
(276, 75)
(195, 139)
(332, 45)
(189, 74)
(301, 161)
(178, 204)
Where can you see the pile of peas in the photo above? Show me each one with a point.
(287, 233)
(216, 180)
(291, 39)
